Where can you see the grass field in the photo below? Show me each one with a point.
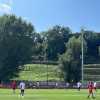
(49, 94)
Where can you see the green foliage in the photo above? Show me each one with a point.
(92, 39)
(70, 60)
(55, 40)
(15, 44)
(19, 44)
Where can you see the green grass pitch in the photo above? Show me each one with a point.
(46, 94)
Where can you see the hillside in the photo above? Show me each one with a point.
(38, 72)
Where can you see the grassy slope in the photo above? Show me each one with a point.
(46, 95)
(38, 72)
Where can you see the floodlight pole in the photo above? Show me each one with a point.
(46, 59)
(47, 72)
(82, 48)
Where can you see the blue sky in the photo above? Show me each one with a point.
(46, 13)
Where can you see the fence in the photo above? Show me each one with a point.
(46, 85)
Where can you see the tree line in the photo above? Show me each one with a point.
(21, 44)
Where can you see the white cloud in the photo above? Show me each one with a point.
(6, 8)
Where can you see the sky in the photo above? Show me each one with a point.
(44, 14)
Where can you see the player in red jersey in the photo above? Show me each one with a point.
(13, 85)
(90, 88)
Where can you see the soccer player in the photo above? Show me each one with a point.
(91, 87)
(79, 85)
(13, 85)
(22, 88)
(95, 86)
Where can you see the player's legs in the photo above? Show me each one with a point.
(22, 92)
(93, 95)
(13, 90)
(95, 89)
(89, 95)
(90, 92)
(79, 89)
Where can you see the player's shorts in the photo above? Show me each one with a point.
(22, 90)
(95, 88)
(79, 87)
(14, 88)
(90, 91)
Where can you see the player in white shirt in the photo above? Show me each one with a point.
(95, 86)
(22, 88)
(79, 85)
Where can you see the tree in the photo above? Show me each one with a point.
(70, 60)
(92, 40)
(56, 39)
(15, 45)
